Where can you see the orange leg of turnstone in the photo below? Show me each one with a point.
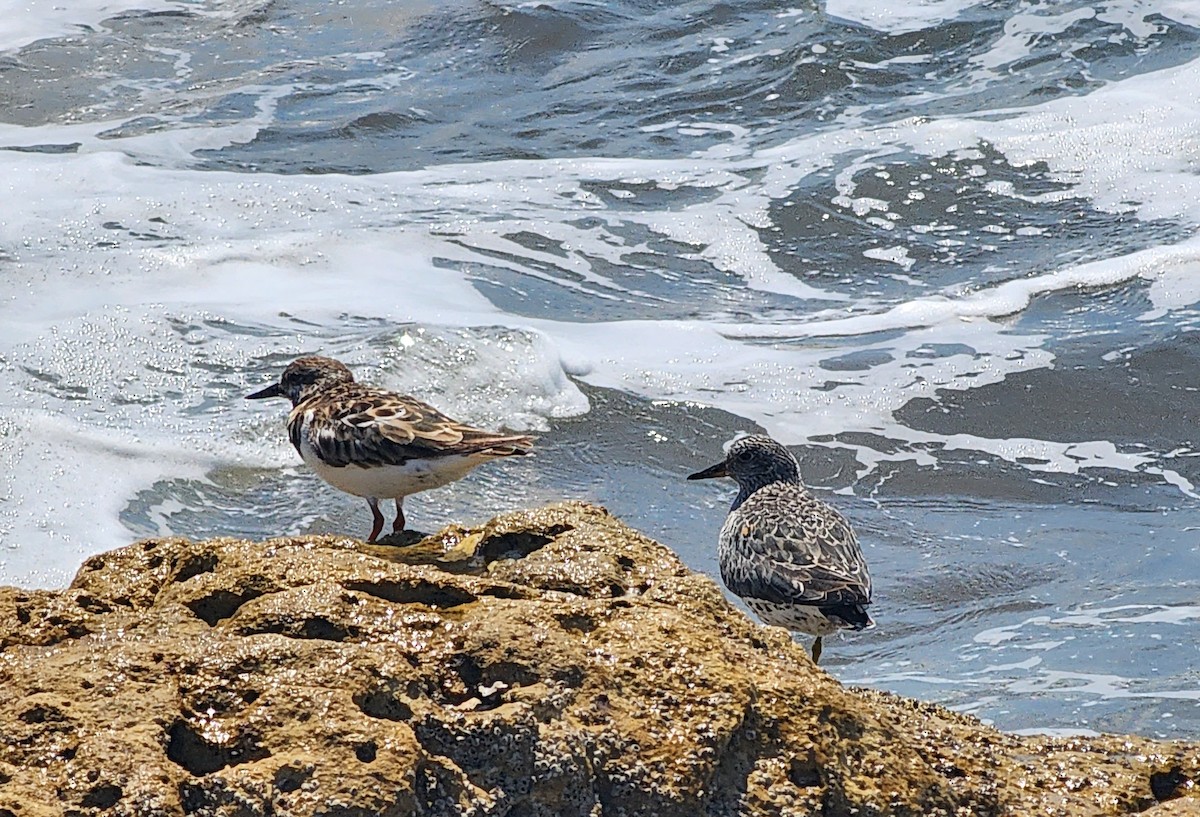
(398, 525)
(376, 519)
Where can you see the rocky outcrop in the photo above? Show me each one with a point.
(552, 662)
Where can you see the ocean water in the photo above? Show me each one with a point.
(946, 250)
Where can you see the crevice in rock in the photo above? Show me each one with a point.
(576, 622)
(103, 797)
(92, 604)
(42, 714)
(219, 605)
(508, 591)
(289, 778)
(322, 629)
(746, 744)
(194, 565)
(1163, 785)
(379, 703)
(420, 591)
(317, 628)
(805, 773)
(192, 798)
(464, 679)
(188, 749)
(517, 545)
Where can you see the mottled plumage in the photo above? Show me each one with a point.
(792, 558)
(375, 443)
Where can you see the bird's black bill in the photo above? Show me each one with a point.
(717, 470)
(270, 391)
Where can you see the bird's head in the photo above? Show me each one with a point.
(304, 377)
(753, 461)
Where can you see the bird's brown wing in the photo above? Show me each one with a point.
(372, 427)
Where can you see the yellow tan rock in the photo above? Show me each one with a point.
(550, 662)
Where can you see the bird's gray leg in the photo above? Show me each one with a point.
(398, 525)
(816, 650)
(376, 519)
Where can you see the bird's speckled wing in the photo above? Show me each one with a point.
(787, 547)
(370, 427)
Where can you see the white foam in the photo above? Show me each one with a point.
(1063, 732)
(27, 21)
(305, 257)
(898, 18)
(1102, 685)
(1131, 614)
(994, 636)
(65, 487)
(1183, 11)
(1021, 30)
(115, 331)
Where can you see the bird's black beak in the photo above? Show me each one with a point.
(717, 470)
(270, 391)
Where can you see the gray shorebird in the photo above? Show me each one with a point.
(793, 559)
(375, 443)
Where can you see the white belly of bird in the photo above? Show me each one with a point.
(799, 618)
(391, 481)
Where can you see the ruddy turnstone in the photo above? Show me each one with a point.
(792, 558)
(375, 443)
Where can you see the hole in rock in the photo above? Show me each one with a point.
(219, 605)
(378, 703)
(194, 565)
(418, 591)
(517, 545)
(464, 679)
(322, 629)
(576, 622)
(192, 798)
(317, 628)
(102, 797)
(1164, 784)
(190, 750)
(804, 775)
(41, 714)
(289, 778)
(92, 604)
(366, 752)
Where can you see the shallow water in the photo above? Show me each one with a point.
(946, 250)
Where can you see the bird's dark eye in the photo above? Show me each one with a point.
(745, 456)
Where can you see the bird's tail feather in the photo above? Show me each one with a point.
(853, 616)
